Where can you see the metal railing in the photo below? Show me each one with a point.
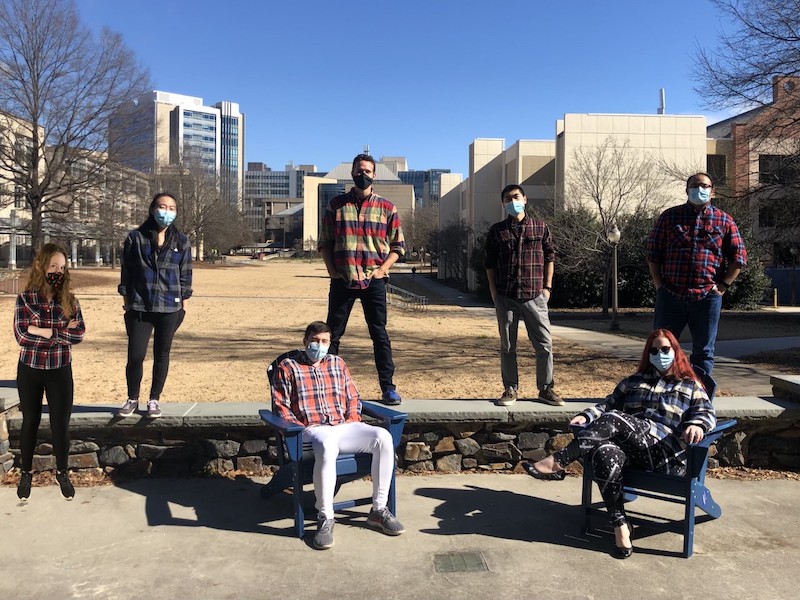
(405, 299)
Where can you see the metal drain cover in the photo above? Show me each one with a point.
(459, 562)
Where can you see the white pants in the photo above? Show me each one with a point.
(349, 438)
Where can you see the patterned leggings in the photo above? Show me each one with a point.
(611, 442)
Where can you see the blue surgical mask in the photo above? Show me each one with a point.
(662, 362)
(699, 196)
(515, 207)
(164, 218)
(316, 351)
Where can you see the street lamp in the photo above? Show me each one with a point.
(614, 236)
(793, 252)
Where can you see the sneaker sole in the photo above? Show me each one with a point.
(552, 403)
(149, 416)
(380, 527)
(505, 402)
(319, 547)
(122, 414)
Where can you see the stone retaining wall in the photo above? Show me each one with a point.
(445, 447)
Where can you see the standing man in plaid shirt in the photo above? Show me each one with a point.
(361, 239)
(313, 388)
(519, 265)
(694, 253)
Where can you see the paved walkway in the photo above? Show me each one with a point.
(216, 538)
(736, 377)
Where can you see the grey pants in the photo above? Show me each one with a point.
(537, 322)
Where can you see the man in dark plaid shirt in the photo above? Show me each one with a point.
(519, 265)
(694, 253)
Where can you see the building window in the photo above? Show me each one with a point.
(716, 167)
(777, 169)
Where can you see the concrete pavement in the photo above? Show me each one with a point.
(216, 538)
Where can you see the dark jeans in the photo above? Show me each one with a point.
(611, 442)
(31, 385)
(702, 316)
(140, 326)
(373, 301)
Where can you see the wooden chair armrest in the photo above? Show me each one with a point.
(393, 420)
(291, 432)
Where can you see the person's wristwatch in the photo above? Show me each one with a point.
(723, 287)
(548, 288)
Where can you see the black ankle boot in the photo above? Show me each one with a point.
(67, 489)
(24, 486)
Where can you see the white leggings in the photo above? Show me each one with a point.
(349, 438)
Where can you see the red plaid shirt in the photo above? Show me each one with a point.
(693, 248)
(309, 395)
(32, 308)
(517, 251)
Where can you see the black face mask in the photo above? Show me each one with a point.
(56, 280)
(362, 181)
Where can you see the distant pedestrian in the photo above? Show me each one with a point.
(47, 322)
(156, 284)
(694, 253)
(361, 239)
(519, 263)
(413, 272)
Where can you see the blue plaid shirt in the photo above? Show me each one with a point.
(156, 279)
(669, 405)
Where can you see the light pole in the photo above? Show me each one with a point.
(613, 238)
(793, 252)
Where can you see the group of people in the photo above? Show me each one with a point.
(694, 253)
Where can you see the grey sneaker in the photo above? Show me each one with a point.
(385, 521)
(152, 409)
(323, 539)
(508, 398)
(549, 396)
(130, 407)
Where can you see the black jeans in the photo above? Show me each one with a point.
(611, 442)
(140, 326)
(31, 385)
(373, 301)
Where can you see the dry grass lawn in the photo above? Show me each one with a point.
(242, 316)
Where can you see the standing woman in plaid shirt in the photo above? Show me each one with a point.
(156, 284)
(47, 322)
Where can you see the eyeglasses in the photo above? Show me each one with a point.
(664, 350)
(705, 186)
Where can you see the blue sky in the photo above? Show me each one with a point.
(319, 79)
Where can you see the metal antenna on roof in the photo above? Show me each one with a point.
(662, 104)
(366, 149)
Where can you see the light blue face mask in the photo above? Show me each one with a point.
(515, 207)
(662, 362)
(699, 196)
(164, 218)
(316, 351)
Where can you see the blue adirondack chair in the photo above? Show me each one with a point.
(296, 459)
(689, 490)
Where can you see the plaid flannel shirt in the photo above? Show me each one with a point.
(669, 405)
(309, 395)
(692, 248)
(153, 279)
(361, 236)
(518, 251)
(32, 308)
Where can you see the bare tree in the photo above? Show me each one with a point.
(59, 87)
(420, 226)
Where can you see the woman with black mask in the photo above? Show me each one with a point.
(156, 284)
(47, 322)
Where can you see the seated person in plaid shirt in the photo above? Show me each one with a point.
(694, 254)
(645, 423)
(314, 388)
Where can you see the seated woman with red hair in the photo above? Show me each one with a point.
(646, 423)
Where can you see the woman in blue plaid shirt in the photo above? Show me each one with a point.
(47, 322)
(645, 423)
(156, 283)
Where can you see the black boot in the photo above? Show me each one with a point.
(24, 486)
(67, 489)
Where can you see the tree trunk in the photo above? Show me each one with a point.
(36, 227)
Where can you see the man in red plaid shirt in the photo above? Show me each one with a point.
(694, 253)
(314, 388)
